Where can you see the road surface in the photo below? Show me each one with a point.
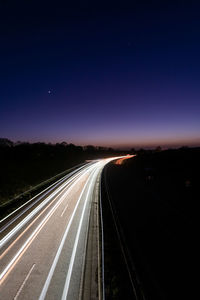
(43, 244)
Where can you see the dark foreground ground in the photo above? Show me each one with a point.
(155, 198)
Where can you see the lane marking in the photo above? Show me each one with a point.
(49, 188)
(50, 275)
(64, 210)
(21, 234)
(23, 222)
(20, 252)
(39, 207)
(69, 273)
(16, 258)
(24, 282)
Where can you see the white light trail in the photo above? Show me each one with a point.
(49, 277)
(69, 273)
(36, 231)
(38, 208)
(47, 190)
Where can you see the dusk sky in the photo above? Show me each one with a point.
(120, 75)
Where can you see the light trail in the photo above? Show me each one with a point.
(82, 182)
(47, 190)
(121, 160)
(53, 266)
(15, 259)
(39, 207)
(69, 273)
(26, 229)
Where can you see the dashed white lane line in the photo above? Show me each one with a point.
(35, 233)
(69, 273)
(53, 266)
(64, 210)
(24, 282)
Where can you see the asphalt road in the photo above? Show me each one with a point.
(43, 244)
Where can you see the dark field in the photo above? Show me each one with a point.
(25, 165)
(155, 199)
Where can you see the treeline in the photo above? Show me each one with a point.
(5, 144)
(41, 151)
(24, 165)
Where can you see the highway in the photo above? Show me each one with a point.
(43, 243)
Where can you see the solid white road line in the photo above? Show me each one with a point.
(69, 273)
(39, 207)
(23, 283)
(34, 220)
(48, 189)
(26, 219)
(34, 233)
(50, 275)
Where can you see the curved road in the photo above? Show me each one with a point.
(43, 244)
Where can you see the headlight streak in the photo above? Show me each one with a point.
(34, 220)
(47, 190)
(53, 266)
(39, 207)
(51, 272)
(69, 273)
(20, 252)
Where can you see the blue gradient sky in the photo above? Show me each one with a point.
(122, 76)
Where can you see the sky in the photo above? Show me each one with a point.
(119, 74)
